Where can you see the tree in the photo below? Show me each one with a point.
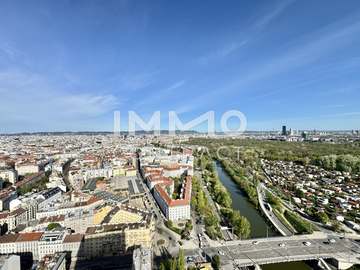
(322, 217)
(188, 225)
(181, 260)
(162, 266)
(273, 200)
(53, 226)
(215, 262)
(240, 224)
(211, 220)
(173, 264)
(336, 226)
(299, 193)
(245, 227)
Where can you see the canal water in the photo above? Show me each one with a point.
(259, 225)
(287, 266)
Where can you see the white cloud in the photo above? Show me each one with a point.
(29, 98)
(273, 14)
(134, 82)
(160, 95)
(10, 51)
(259, 25)
(223, 52)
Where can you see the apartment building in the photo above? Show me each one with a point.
(116, 239)
(29, 243)
(70, 207)
(27, 168)
(6, 197)
(174, 209)
(50, 243)
(9, 175)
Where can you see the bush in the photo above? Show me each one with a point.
(300, 225)
(171, 226)
(215, 262)
(322, 217)
(53, 226)
(160, 242)
(274, 201)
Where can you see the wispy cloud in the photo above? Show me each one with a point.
(304, 52)
(137, 81)
(175, 86)
(9, 51)
(266, 19)
(27, 97)
(223, 52)
(260, 24)
(309, 50)
(160, 95)
(342, 114)
(333, 106)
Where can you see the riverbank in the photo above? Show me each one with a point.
(238, 176)
(218, 194)
(240, 202)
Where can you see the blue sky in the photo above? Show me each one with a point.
(67, 65)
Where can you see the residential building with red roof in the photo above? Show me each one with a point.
(174, 209)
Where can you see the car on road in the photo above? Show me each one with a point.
(307, 243)
(255, 243)
(332, 241)
(221, 253)
(282, 245)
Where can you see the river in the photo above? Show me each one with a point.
(259, 224)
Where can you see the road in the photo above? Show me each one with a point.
(270, 215)
(171, 237)
(264, 251)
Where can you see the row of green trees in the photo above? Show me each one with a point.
(200, 204)
(238, 176)
(239, 223)
(218, 191)
(344, 163)
(221, 196)
(177, 263)
(340, 156)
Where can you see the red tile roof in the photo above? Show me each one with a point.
(28, 237)
(169, 201)
(72, 238)
(8, 238)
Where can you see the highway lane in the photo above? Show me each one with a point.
(271, 251)
(269, 214)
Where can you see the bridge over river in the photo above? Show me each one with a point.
(283, 249)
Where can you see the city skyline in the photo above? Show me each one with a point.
(67, 66)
